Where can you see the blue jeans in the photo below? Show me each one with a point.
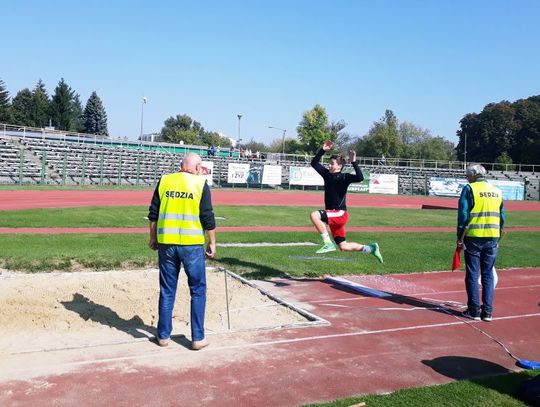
(171, 258)
(480, 255)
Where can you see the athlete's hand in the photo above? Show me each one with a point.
(327, 145)
(352, 156)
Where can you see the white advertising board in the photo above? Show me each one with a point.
(304, 176)
(237, 173)
(383, 184)
(271, 175)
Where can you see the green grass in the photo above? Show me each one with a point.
(486, 392)
(133, 216)
(403, 253)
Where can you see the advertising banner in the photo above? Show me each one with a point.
(512, 190)
(255, 173)
(237, 173)
(304, 176)
(383, 184)
(208, 171)
(358, 186)
(271, 175)
(440, 186)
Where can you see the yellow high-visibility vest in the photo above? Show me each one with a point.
(178, 222)
(485, 220)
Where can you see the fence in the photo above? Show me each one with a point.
(38, 160)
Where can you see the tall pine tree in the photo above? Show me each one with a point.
(5, 116)
(94, 116)
(40, 114)
(66, 108)
(22, 108)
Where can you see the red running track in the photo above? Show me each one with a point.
(372, 345)
(28, 199)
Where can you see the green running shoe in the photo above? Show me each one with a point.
(376, 252)
(327, 247)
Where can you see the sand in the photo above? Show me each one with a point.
(50, 311)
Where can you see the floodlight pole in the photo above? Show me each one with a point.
(282, 139)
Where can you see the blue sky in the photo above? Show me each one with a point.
(429, 61)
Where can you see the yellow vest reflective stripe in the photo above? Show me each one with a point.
(485, 216)
(178, 222)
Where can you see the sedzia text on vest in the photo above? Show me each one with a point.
(489, 195)
(179, 194)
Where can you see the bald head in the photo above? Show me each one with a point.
(191, 163)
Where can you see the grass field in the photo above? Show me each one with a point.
(403, 253)
(485, 392)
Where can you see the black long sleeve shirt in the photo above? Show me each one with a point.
(206, 211)
(336, 184)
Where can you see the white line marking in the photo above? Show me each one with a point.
(169, 353)
(265, 244)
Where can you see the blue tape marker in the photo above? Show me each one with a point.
(528, 364)
(362, 289)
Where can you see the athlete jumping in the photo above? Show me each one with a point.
(335, 213)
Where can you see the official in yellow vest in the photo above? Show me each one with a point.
(480, 224)
(180, 213)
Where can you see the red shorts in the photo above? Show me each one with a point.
(336, 220)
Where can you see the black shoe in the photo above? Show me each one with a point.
(486, 317)
(471, 315)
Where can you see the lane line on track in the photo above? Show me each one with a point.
(168, 353)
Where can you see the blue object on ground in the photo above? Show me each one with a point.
(528, 364)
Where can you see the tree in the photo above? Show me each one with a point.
(77, 124)
(41, 105)
(313, 130)
(382, 138)
(66, 108)
(255, 146)
(181, 128)
(419, 143)
(213, 138)
(94, 117)
(526, 148)
(502, 131)
(5, 108)
(22, 108)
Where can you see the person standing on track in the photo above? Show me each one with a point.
(179, 214)
(479, 227)
(335, 213)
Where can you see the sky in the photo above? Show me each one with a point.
(430, 61)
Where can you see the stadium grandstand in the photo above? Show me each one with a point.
(50, 157)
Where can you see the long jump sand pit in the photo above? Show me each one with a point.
(48, 311)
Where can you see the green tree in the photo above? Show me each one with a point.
(213, 138)
(5, 108)
(313, 130)
(41, 105)
(502, 129)
(78, 124)
(382, 138)
(526, 148)
(94, 116)
(419, 143)
(255, 146)
(22, 108)
(66, 108)
(181, 128)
